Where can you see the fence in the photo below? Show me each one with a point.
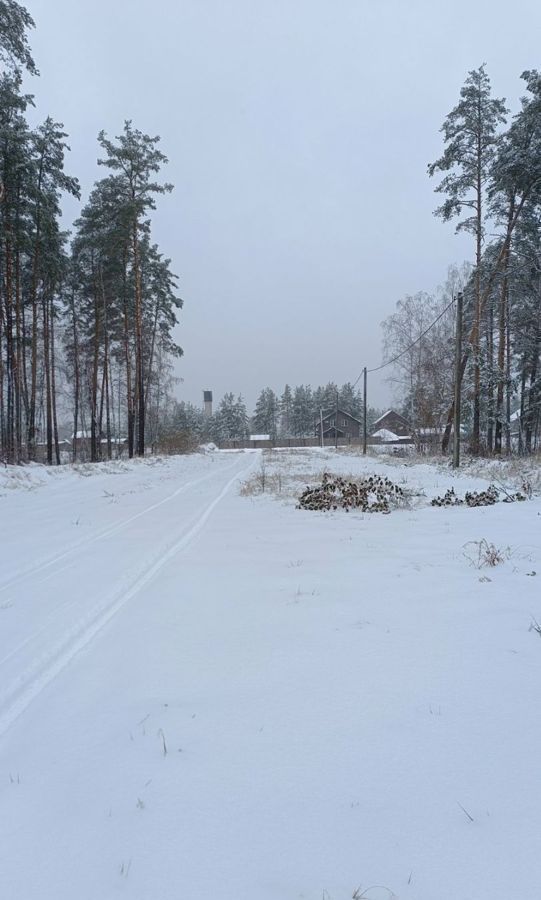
(299, 442)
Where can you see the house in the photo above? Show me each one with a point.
(429, 440)
(393, 422)
(82, 443)
(347, 425)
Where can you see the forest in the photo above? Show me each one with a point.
(87, 317)
(490, 185)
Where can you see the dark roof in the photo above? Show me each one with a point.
(341, 412)
(390, 412)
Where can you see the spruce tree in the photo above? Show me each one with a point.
(265, 419)
(286, 405)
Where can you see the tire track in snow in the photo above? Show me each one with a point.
(28, 685)
(107, 532)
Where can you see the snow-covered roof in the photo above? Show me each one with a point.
(383, 416)
(385, 435)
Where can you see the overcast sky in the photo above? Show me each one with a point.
(298, 134)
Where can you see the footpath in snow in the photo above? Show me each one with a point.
(207, 692)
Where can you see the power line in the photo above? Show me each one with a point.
(407, 350)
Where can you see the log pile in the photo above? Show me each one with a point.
(375, 493)
(476, 498)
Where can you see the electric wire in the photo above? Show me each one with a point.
(410, 347)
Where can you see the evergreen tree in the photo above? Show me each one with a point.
(286, 406)
(15, 22)
(231, 419)
(265, 420)
(470, 132)
(135, 158)
(350, 400)
(302, 413)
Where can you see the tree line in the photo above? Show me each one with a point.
(86, 325)
(490, 185)
(293, 413)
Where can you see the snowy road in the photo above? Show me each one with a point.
(204, 694)
(64, 599)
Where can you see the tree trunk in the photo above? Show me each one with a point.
(129, 395)
(53, 385)
(139, 361)
(484, 297)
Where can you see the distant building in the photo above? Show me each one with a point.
(393, 422)
(207, 403)
(338, 423)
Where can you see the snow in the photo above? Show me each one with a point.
(206, 692)
(385, 435)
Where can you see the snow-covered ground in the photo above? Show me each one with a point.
(208, 693)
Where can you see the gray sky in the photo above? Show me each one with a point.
(298, 134)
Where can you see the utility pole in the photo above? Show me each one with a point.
(321, 426)
(458, 359)
(336, 425)
(364, 411)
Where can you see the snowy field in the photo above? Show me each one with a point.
(208, 693)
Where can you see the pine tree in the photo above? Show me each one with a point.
(286, 405)
(302, 413)
(15, 22)
(350, 400)
(265, 420)
(135, 158)
(470, 132)
(231, 419)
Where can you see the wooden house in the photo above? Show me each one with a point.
(393, 422)
(338, 423)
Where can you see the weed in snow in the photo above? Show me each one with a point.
(466, 813)
(375, 892)
(164, 745)
(124, 868)
(482, 553)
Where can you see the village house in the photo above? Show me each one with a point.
(393, 422)
(347, 425)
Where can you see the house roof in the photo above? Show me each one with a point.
(394, 413)
(341, 412)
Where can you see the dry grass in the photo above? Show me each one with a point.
(177, 443)
(482, 554)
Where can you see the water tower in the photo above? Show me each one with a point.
(207, 400)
